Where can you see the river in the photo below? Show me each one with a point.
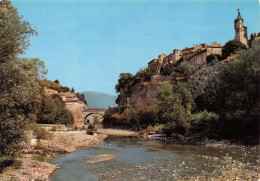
(139, 159)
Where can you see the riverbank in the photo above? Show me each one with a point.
(33, 163)
(117, 132)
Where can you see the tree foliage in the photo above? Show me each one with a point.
(20, 97)
(53, 111)
(125, 83)
(81, 97)
(238, 94)
(53, 85)
(14, 32)
(173, 103)
(231, 47)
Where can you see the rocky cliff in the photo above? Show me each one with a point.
(142, 92)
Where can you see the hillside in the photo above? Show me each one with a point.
(99, 100)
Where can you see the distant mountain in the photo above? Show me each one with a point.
(99, 100)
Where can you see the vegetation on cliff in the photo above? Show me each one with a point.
(218, 100)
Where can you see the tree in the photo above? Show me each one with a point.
(20, 97)
(167, 70)
(72, 90)
(205, 85)
(81, 97)
(20, 93)
(238, 94)
(14, 32)
(211, 58)
(125, 83)
(231, 47)
(182, 71)
(173, 104)
(53, 111)
(144, 74)
(57, 81)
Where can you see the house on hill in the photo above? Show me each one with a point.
(195, 55)
(72, 104)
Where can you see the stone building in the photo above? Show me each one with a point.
(72, 104)
(195, 55)
(240, 30)
(155, 64)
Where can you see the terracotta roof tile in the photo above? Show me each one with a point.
(230, 58)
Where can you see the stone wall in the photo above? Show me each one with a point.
(76, 109)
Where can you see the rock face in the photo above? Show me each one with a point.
(142, 92)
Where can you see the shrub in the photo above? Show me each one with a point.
(40, 132)
(53, 111)
(205, 123)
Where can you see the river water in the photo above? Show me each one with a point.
(139, 159)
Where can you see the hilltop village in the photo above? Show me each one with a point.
(194, 96)
(195, 56)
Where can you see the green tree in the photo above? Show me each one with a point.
(14, 32)
(167, 70)
(182, 71)
(72, 90)
(238, 94)
(205, 124)
(231, 47)
(205, 85)
(125, 83)
(173, 104)
(53, 111)
(20, 97)
(145, 74)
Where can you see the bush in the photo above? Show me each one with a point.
(205, 123)
(53, 111)
(40, 132)
(158, 128)
(54, 85)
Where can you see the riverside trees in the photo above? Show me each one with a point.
(20, 91)
(218, 100)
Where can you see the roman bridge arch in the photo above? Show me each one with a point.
(94, 116)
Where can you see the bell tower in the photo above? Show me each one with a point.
(240, 30)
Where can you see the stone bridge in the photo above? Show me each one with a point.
(93, 113)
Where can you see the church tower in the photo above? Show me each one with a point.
(241, 31)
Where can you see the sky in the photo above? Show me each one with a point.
(86, 44)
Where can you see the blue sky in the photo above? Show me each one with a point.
(86, 44)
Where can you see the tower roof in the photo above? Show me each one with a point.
(239, 17)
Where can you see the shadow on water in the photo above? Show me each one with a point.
(128, 153)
